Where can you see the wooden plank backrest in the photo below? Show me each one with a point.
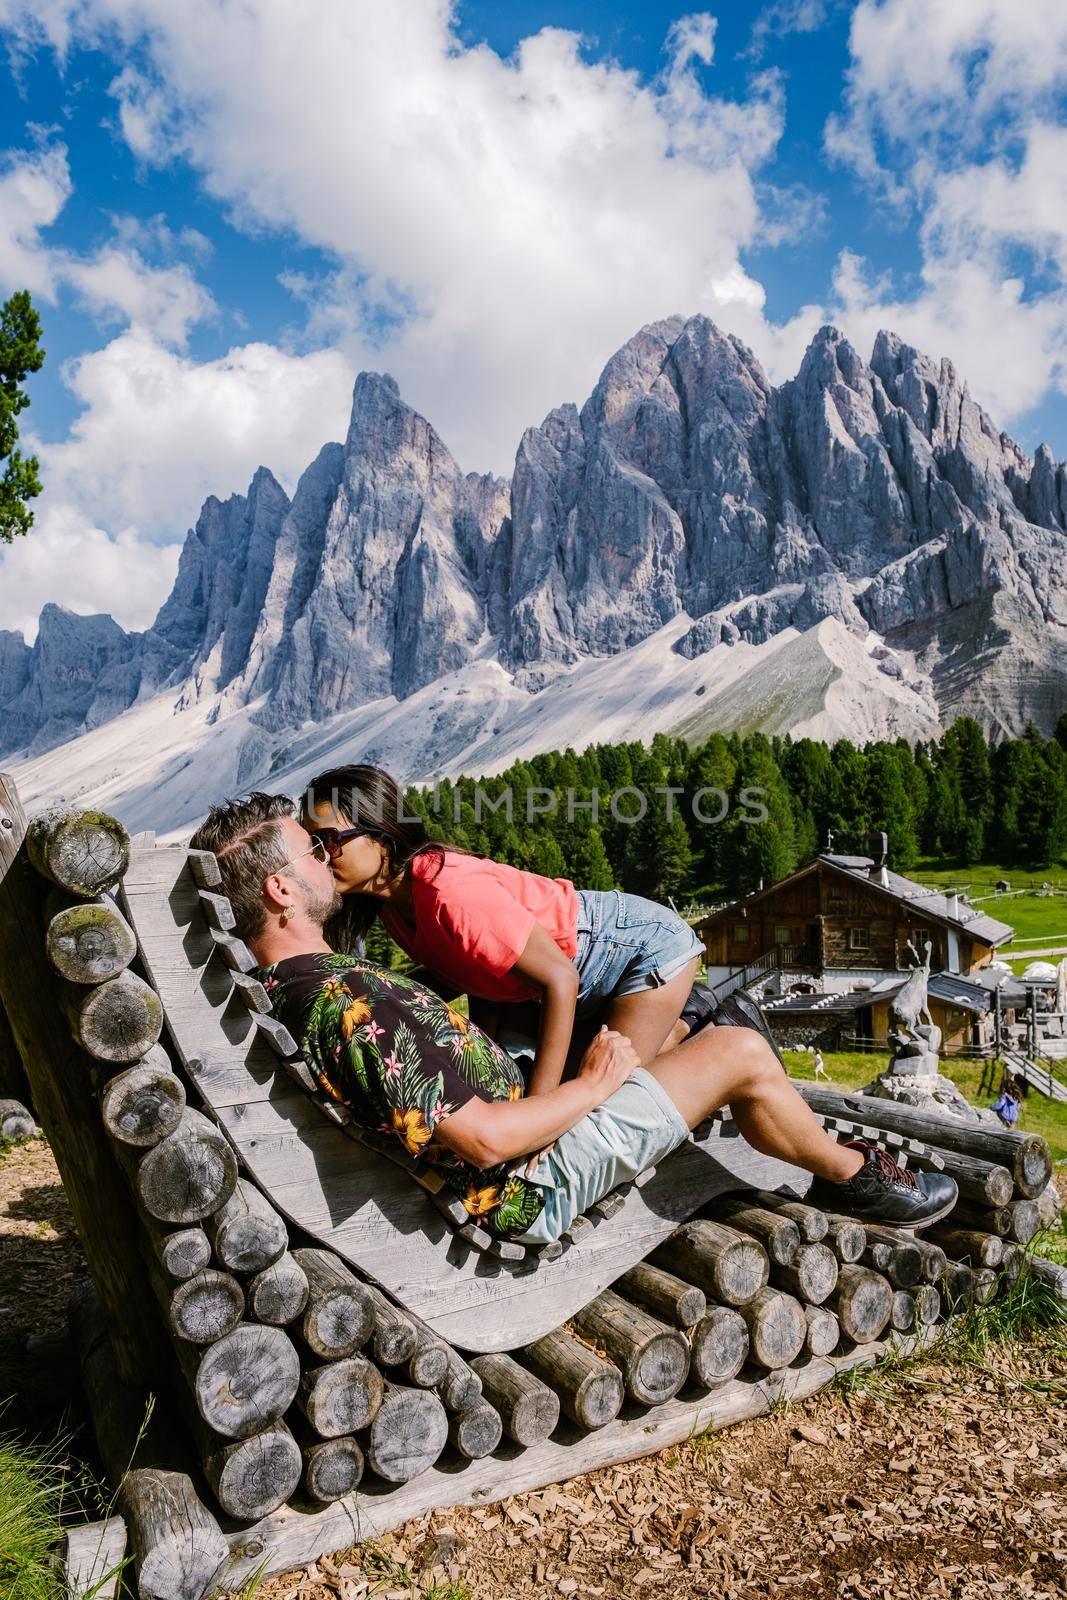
(352, 1199)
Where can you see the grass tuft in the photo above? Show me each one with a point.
(33, 1488)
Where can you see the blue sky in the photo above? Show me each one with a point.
(224, 213)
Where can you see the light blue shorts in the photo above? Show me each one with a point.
(627, 944)
(634, 1128)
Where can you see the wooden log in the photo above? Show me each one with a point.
(407, 1435)
(928, 1303)
(118, 1021)
(1026, 1156)
(824, 1331)
(1018, 1221)
(461, 1386)
(933, 1259)
(476, 1431)
(983, 1284)
(16, 1123)
(395, 1337)
(812, 1223)
(181, 1252)
(177, 1543)
(279, 1293)
(983, 1183)
(862, 1303)
(254, 1476)
(811, 1275)
(84, 852)
(897, 1259)
(905, 1311)
(718, 1346)
(247, 1233)
(957, 1287)
(143, 1104)
(333, 1468)
(341, 1397)
(590, 1389)
(428, 1365)
(206, 1306)
(777, 1328)
(1048, 1272)
(188, 1175)
(729, 1266)
(529, 1409)
(340, 1311)
(1012, 1264)
(778, 1234)
(663, 1294)
(1049, 1206)
(846, 1237)
(967, 1244)
(60, 1077)
(94, 1556)
(14, 1084)
(89, 942)
(245, 1380)
(653, 1358)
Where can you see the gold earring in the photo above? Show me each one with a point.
(287, 912)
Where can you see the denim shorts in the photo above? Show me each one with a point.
(627, 944)
(634, 1128)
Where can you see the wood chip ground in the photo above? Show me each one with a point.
(949, 1483)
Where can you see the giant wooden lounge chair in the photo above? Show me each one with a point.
(361, 1200)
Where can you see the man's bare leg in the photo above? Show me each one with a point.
(736, 1067)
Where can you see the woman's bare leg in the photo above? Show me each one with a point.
(736, 1067)
(650, 1020)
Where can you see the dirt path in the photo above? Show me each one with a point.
(934, 1481)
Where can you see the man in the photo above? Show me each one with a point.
(408, 1063)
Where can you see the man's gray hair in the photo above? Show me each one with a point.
(245, 838)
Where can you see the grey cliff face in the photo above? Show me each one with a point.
(877, 494)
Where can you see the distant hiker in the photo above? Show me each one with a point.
(820, 1070)
(406, 1062)
(1008, 1105)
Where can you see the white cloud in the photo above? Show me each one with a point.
(953, 113)
(500, 227)
(784, 17)
(34, 188)
(160, 431)
(67, 559)
(114, 282)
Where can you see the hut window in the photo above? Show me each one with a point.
(859, 939)
(782, 935)
(740, 933)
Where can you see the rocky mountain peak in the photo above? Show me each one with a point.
(687, 490)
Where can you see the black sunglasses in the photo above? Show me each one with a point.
(335, 839)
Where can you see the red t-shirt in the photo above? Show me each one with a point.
(473, 918)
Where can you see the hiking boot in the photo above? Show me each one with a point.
(736, 1011)
(881, 1191)
(701, 1008)
(741, 1011)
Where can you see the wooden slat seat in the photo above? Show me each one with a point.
(333, 1184)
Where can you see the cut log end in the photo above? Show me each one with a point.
(332, 1469)
(407, 1435)
(84, 852)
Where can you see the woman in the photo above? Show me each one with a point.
(502, 935)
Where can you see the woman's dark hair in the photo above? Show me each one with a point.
(367, 797)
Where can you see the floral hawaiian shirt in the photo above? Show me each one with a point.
(401, 1059)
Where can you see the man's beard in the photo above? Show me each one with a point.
(320, 906)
